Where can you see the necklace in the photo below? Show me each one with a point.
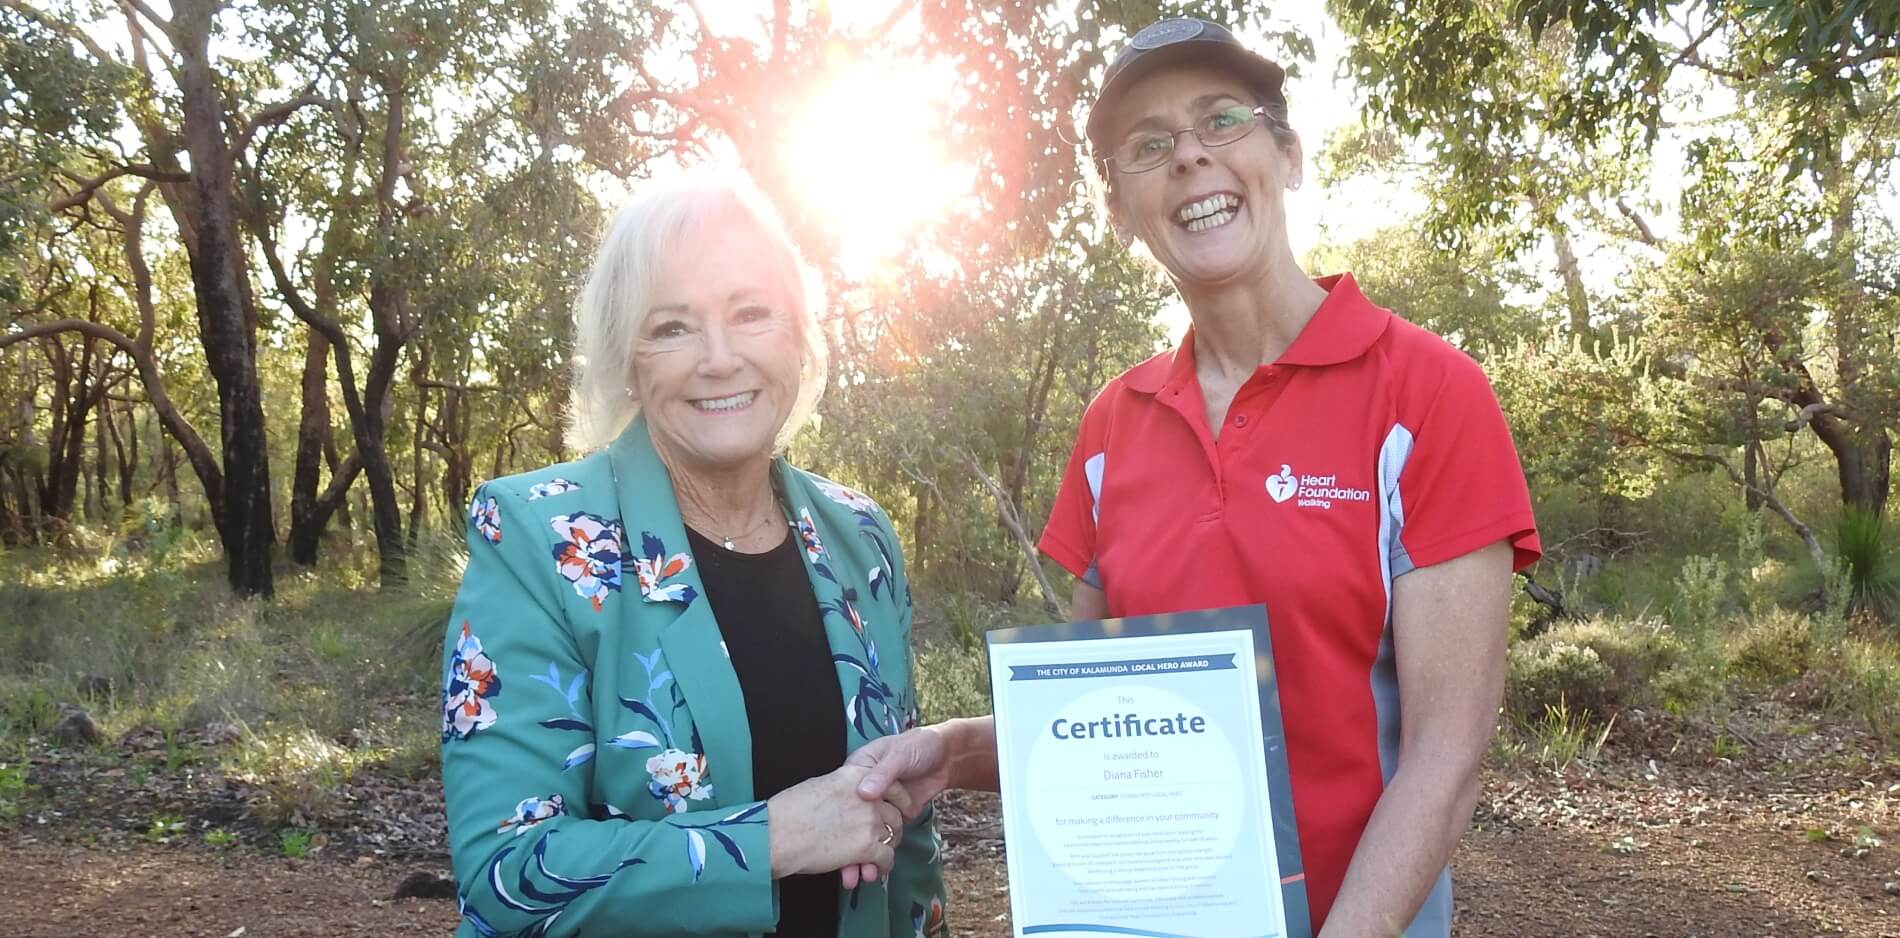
(727, 540)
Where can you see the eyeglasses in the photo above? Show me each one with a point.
(1145, 151)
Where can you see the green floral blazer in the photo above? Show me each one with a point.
(595, 753)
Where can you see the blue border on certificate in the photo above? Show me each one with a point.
(1251, 618)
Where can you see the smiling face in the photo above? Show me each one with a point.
(718, 355)
(1210, 215)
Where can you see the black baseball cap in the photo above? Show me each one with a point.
(1172, 41)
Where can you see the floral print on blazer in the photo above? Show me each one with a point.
(595, 753)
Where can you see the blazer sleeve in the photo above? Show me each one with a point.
(534, 852)
(917, 894)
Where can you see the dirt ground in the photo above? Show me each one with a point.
(1795, 837)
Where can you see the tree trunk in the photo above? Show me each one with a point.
(1865, 470)
(336, 463)
(125, 450)
(419, 495)
(1752, 465)
(1576, 298)
(228, 343)
(922, 531)
(96, 491)
(312, 427)
(73, 399)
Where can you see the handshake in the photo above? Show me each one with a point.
(852, 818)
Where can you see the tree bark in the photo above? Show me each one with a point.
(369, 405)
(313, 424)
(419, 496)
(1576, 298)
(228, 342)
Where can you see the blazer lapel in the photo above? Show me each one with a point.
(833, 562)
(694, 648)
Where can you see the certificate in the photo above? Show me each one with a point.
(1143, 770)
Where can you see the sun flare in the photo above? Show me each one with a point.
(869, 159)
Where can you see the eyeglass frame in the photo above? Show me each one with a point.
(1261, 113)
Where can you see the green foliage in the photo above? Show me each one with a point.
(952, 681)
(1560, 737)
(1690, 687)
(15, 791)
(1545, 672)
(1003, 364)
(165, 829)
(1865, 681)
(1460, 295)
(1772, 650)
(297, 772)
(27, 708)
(1700, 589)
(295, 844)
(220, 838)
(1596, 667)
(1873, 573)
(1574, 406)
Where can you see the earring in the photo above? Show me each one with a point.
(1295, 185)
(630, 393)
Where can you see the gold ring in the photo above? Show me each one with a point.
(890, 835)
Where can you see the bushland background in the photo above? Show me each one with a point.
(282, 280)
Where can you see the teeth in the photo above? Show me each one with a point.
(1212, 221)
(1206, 208)
(733, 402)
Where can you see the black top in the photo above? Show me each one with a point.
(775, 636)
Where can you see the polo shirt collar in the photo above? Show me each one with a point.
(1343, 328)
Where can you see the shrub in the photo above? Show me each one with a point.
(1635, 651)
(952, 681)
(27, 708)
(1562, 736)
(1546, 672)
(1595, 667)
(1866, 682)
(1771, 651)
(1700, 588)
(1687, 687)
(14, 791)
(1873, 576)
(295, 844)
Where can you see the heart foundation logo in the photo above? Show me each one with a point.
(1282, 486)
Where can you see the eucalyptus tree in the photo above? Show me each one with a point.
(373, 175)
(181, 118)
(1768, 302)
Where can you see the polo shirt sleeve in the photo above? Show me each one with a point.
(1462, 487)
(1069, 537)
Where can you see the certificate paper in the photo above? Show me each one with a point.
(1144, 781)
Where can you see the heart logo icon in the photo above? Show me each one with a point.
(1282, 486)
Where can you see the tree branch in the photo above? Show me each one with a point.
(88, 186)
(1006, 512)
(164, 25)
(272, 115)
(1768, 499)
(1807, 414)
(1643, 231)
(69, 30)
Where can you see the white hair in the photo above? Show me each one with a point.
(627, 269)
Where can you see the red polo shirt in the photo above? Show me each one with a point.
(1369, 449)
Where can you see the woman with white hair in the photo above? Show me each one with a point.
(663, 651)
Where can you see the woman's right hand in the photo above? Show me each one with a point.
(821, 824)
